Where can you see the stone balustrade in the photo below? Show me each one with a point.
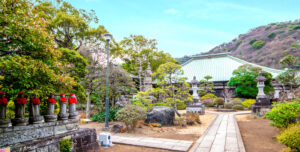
(34, 110)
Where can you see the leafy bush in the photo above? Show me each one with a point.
(238, 42)
(248, 102)
(219, 101)
(100, 116)
(160, 104)
(238, 107)
(281, 31)
(180, 121)
(208, 96)
(294, 45)
(252, 41)
(258, 44)
(228, 105)
(208, 102)
(192, 118)
(291, 137)
(208, 99)
(271, 35)
(180, 105)
(65, 145)
(296, 27)
(130, 115)
(284, 114)
(267, 28)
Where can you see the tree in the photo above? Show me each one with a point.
(29, 61)
(244, 80)
(169, 74)
(206, 86)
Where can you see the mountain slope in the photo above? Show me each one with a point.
(265, 45)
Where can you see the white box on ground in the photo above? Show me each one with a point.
(105, 139)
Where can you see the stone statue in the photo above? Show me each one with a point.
(20, 103)
(3, 104)
(63, 115)
(196, 106)
(72, 107)
(148, 78)
(34, 116)
(51, 117)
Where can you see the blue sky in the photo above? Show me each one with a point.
(187, 27)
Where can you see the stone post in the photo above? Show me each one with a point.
(20, 103)
(63, 115)
(3, 104)
(51, 117)
(35, 117)
(72, 107)
(194, 83)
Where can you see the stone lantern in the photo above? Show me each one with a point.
(262, 103)
(34, 116)
(72, 107)
(63, 115)
(51, 117)
(20, 103)
(194, 83)
(3, 104)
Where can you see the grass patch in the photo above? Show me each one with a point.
(258, 44)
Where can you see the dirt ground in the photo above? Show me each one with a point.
(191, 133)
(258, 135)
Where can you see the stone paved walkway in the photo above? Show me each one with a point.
(161, 143)
(223, 135)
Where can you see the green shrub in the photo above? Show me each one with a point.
(238, 107)
(248, 102)
(252, 41)
(291, 137)
(284, 114)
(281, 31)
(238, 42)
(100, 116)
(259, 51)
(271, 35)
(130, 115)
(208, 99)
(267, 28)
(208, 102)
(219, 101)
(180, 105)
(258, 44)
(294, 45)
(160, 104)
(296, 27)
(65, 145)
(228, 105)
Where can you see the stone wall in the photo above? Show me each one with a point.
(84, 140)
(16, 134)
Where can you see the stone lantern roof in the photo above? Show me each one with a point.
(260, 77)
(194, 81)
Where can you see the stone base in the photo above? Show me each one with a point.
(4, 122)
(260, 110)
(36, 119)
(20, 121)
(262, 102)
(63, 116)
(84, 139)
(50, 118)
(73, 115)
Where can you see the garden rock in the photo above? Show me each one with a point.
(161, 114)
(117, 128)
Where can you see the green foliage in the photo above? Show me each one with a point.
(160, 104)
(65, 145)
(294, 45)
(228, 105)
(219, 101)
(130, 115)
(206, 86)
(258, 44)
(271, 35)
(281, 31)
(238, 42)
(248, 102)
(252, 41)
(259, 51)
(237, 104)
(267, 28)
(208, 99)
(244, 79)
(291, 137)
(100, 116)
(284, 114)
(192, 118)
(237, 107)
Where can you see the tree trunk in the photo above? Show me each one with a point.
(88, 105)
(175, 103)
(140, 75)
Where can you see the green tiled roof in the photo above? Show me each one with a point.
(219, 66)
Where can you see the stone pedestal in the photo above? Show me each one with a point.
(51, 117)
(72, 111)
(35, 117)
(63, 115)
(20, 120)
(3, 121)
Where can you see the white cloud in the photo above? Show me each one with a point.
(171, 11)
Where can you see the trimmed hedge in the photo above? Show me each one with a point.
(291, 137)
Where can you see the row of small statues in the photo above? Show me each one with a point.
(34, 111)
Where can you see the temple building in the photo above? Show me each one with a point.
(220, 67)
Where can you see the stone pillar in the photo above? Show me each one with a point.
(20, 103)
(63, 115)
(51, 117)
(72, 107)
(276, 93)
(3, 104)
(195, 89)
(35, 117)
